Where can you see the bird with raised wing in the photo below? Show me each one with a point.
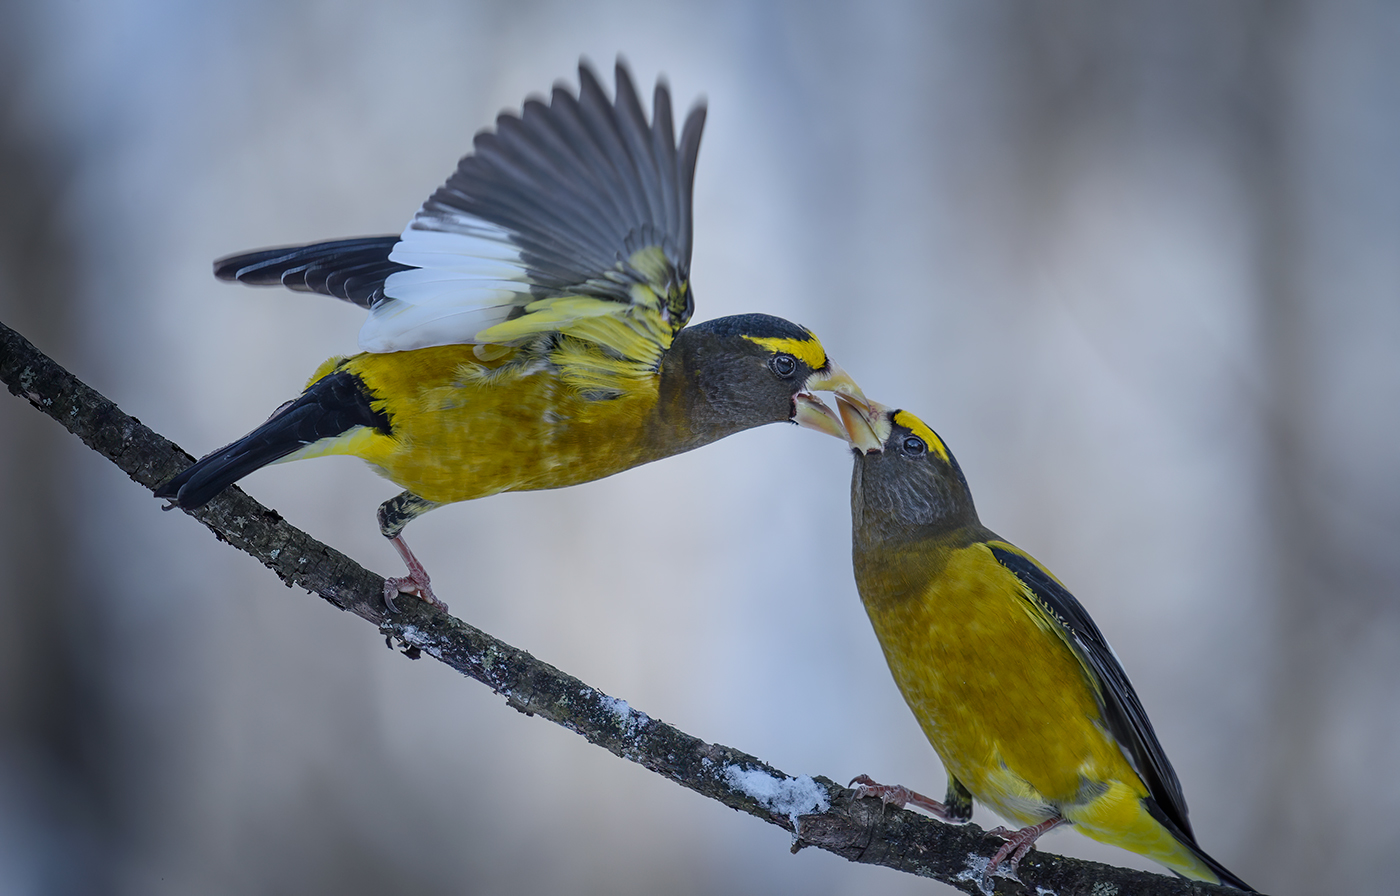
(528, 329)
(1013, 684)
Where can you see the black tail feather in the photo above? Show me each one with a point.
(330, 406)
(1226, 878)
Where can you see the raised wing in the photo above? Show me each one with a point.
(1127, 720)
(574, 217)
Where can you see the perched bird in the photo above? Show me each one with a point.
(527, 330)
(1011, 681)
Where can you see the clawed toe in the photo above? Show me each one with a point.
(898, 796)
(421, 589)
(416, 582)
(1017, 844)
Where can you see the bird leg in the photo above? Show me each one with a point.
(900, 796)
(416, 582)
(394, 514)
(1018, 843)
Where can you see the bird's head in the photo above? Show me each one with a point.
(750, 369)
(906, 482)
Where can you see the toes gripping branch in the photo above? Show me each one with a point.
(394, 514)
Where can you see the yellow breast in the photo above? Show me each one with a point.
(465, 428)
(1004, 701)
(1002, 696)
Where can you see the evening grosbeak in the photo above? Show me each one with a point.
(1016, 688)
(527, 330)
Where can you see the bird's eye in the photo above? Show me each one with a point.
(783, 365)
(914, 446)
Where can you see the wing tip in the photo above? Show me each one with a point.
(228, 267)
(1184, 836)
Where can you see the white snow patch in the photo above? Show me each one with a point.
(630, 719)
(790, 796)
(977, 873)
(617, 707)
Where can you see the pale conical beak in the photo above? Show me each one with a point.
(833, 379)
(867, 424)
(813, 413)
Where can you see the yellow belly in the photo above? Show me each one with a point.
(464, 428)
(1008, 707)
(1005, 703)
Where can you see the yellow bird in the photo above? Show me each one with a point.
(527, 330)
(1013, 684)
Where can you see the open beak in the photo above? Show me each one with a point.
(813, 413)
(867, 423)
(833, 379)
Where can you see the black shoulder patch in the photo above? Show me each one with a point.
(345, 402)
(759, 326)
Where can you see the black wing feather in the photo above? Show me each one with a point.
(565, 193)
(637, 135)
(601, 119)
(1227, 877)
(685, 171)
(663, 144)
(568, 123)
(1123, 711)
(580, 183)
(539, 222)
(353, 269)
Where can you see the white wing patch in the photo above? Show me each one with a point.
(466, 280)
(468, 243)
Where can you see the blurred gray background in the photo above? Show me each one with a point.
(1137, 263)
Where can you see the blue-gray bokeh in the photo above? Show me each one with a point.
(1136, 263)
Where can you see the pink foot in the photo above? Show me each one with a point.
(416, 582)
(897, 796)
(1017, 844)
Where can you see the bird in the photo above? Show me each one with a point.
(528, 328)
(1016, 688)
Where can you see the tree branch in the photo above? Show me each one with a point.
(818, 812)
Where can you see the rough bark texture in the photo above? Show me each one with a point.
(858, 830)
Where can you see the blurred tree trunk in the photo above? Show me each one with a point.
(1303, 640)
(1310, 159)
(50, 701)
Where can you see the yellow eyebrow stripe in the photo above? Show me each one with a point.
(808, 351)
(920, 429)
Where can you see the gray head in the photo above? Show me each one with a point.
(734, 373)
(906, 483)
